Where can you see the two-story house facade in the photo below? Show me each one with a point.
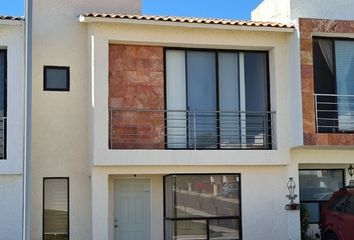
(11, 126)
(153, 127)
(158, 127)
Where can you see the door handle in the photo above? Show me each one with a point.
(115, 225)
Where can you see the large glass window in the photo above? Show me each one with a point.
(56, 209)
(202, 207)
(217, 99)
(2, 104)
(333, 61)
(317, 187)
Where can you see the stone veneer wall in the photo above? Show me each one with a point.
(136, 82)
(307, 28)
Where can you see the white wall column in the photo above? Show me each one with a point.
(99, 182)
(294, 227)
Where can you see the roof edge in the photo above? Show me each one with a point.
(186, 22)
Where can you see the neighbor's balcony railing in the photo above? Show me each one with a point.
(334, 113)
(171, 129)
(3, 129)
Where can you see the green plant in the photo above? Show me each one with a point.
(304, 215)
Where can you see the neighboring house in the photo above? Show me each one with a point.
(11, 126)
(159, 128)
(323, 97)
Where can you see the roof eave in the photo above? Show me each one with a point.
(11, 22)
(85, 19)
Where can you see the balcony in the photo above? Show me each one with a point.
(173, 129)
(334, 113)
(3, 123)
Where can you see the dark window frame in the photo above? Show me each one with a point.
(4, 51)
(68, 199)
(46, 88)
(333, 40)
(207, 219)
(217, 51)
(321, 202)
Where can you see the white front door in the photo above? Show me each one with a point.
(132, 209)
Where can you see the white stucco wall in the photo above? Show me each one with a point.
(287, 10)
(263, 214)
(60, 119)
(328, 9)
(295, 95)
(10, 207)
(274, 10)
(11, 39)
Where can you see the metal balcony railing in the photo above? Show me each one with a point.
(334, 113)
(172, 129)
(3, 130)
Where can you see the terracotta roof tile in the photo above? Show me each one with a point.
(11, 18)
(189, 20)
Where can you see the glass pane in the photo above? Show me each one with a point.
(169, 196)
(229, 100)
(314, 211)
(2, 83)
(224, 229)
(56, 209)
(319, 184)
(176, 99)
(256, 76)
(323, 66)
(190, 230)
(201, 77)
(169, 229)
(345, 84)
(57, 78)
(207, 195)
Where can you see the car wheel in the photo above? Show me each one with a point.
(330, 236)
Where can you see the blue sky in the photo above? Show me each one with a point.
(233, 9)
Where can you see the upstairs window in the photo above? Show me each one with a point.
(56, 78)
(217, 99)
(3, 104)
(333, 61)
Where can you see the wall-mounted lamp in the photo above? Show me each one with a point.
(291, 185)
(351, 171)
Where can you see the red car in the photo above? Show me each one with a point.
(337, 217)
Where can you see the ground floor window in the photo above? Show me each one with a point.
(316, 188)
(56, 208)
(203, 206)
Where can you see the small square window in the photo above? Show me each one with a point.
(56, 78)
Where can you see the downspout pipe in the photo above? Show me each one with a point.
(27, 124)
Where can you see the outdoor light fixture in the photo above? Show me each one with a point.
(291, 185)
(351, 171)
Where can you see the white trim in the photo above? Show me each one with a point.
(242, 94)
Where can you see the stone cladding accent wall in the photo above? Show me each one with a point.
(136, 82)
(308, 28)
